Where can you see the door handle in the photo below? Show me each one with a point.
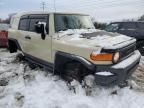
(27, 37)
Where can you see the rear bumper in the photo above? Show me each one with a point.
(118, 73)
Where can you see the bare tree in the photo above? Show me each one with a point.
(141, 18)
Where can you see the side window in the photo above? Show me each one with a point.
(36, 18)
(128, 26)
(23, 24)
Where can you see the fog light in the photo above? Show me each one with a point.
(104, 73)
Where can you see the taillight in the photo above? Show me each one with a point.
(4, 33)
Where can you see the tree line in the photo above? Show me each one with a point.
(141, 18)
(7, 21)
(100, 25)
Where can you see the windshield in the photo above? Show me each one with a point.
(4, 26)
(112, 27)
(65, 22)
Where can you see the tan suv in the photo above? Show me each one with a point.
(69, 45)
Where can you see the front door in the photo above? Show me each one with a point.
(37, 47)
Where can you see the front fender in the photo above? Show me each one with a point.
(61, 58)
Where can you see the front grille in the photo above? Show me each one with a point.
(127, 51)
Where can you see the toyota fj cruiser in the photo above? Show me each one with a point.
(68, 44)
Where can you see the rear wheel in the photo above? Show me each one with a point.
(12, 47)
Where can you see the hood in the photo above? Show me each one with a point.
(95, 38)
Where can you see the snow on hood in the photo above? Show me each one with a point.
(99, 38)
(76, 31)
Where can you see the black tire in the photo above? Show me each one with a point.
(74, 70)
(12, 47)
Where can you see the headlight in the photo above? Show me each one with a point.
(116, 57)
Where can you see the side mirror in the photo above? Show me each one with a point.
(43, 33)
(40, 27)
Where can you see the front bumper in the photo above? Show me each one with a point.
(119, 72)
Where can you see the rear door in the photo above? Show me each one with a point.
(37, 47)
(23, 31)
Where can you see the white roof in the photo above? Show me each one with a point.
(45, 12)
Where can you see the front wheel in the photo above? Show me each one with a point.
(74, 70)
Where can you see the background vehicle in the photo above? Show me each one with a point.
(3, 34)
(132, 29)
(67, 44)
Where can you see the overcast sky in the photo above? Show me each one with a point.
(102, 10)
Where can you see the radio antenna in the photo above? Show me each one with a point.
(43, 5)
(55, 5)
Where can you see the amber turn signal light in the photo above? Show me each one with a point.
(101, 57)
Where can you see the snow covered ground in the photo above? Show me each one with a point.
(21, 87)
